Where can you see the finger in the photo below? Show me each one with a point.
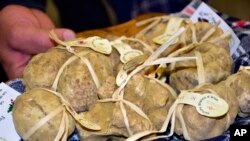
(35, 40)
(44, 21)
(65, 34)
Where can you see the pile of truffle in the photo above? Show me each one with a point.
(133, 87)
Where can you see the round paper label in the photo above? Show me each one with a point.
(127, 56)
(208, 104)
(102, 45)
(212, 105)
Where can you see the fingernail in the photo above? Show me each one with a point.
(68, 35)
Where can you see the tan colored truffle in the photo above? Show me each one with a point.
(32, 107)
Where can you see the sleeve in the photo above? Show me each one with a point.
(39, 4)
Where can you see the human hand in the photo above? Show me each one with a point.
(25, 32)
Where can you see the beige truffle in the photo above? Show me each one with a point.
(202, 28)
(217, 64)
(150, 96)
(42, 69)
(76, 82)
(201, 127)
(31, 107)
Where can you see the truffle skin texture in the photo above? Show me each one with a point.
(42, 69)
(76, 83)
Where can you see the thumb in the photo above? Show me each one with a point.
(65, 34)
(36, 40)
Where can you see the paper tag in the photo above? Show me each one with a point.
(126, 52)
(121, 77)
(100, 44)
(129, 66)
(209, 105)
(162, 39)
(205, 13)
(96, 43)
(7, 129)
(172, 27)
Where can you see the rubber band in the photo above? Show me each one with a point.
(210, 32)
(70, 60)
(41, 122)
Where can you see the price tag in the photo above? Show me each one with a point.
(7, 98)
(173, 26)
(209, 105)
(125, 51)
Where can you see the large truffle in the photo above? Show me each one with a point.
(76, 82)
(217, 64)
(153, 98)
(32, 107)
(42, 69)
(200, 127)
